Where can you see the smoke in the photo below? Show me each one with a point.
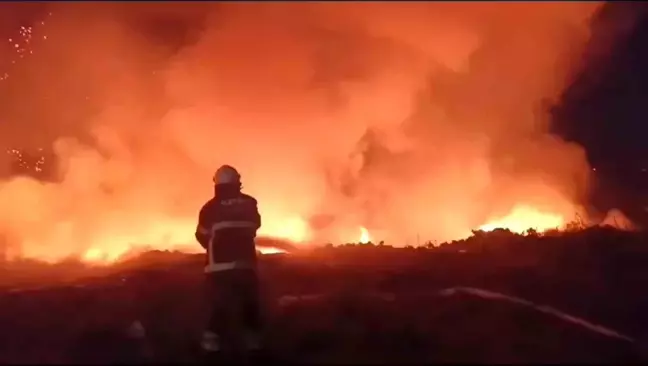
(412, 119)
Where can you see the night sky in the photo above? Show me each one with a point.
(603, 110)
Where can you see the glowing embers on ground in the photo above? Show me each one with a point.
(522, 218)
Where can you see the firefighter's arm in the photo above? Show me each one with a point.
(203, 230)
(256, 215)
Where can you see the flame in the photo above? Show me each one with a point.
(293, 228)
(169, 234)
(523, 218)
(362, 130)
(271, 250)
(98, 256)
(364, 236)
(116, 242)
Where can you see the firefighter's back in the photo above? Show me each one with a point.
(233, 220)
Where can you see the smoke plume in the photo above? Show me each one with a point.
(414, 120)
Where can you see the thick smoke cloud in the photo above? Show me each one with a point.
(415, 120)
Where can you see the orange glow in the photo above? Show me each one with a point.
(294, 229)
(523, 218)
(264, 250)
(418, 120)
(96, 255)
(364, 236)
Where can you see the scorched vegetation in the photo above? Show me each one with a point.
(495, 297)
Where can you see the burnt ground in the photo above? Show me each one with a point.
(361, 304)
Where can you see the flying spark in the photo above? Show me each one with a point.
(22, 45)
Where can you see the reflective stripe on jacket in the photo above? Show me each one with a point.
(227, 228)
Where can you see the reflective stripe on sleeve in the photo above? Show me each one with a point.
(202, 230)
(224, 266)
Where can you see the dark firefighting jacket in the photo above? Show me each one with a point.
(227, 226)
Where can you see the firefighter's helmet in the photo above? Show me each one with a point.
(226, 174)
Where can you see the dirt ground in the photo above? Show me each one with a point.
(361, 304)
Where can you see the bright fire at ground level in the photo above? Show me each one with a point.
(523, 218)
(520, 219)
(132, 183)
(96, 255)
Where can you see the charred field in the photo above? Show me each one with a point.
(354, 303)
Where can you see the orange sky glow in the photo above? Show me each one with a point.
(348, 122)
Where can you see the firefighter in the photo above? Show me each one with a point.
(227, 227)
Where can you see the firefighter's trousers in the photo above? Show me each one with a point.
(234, 301)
